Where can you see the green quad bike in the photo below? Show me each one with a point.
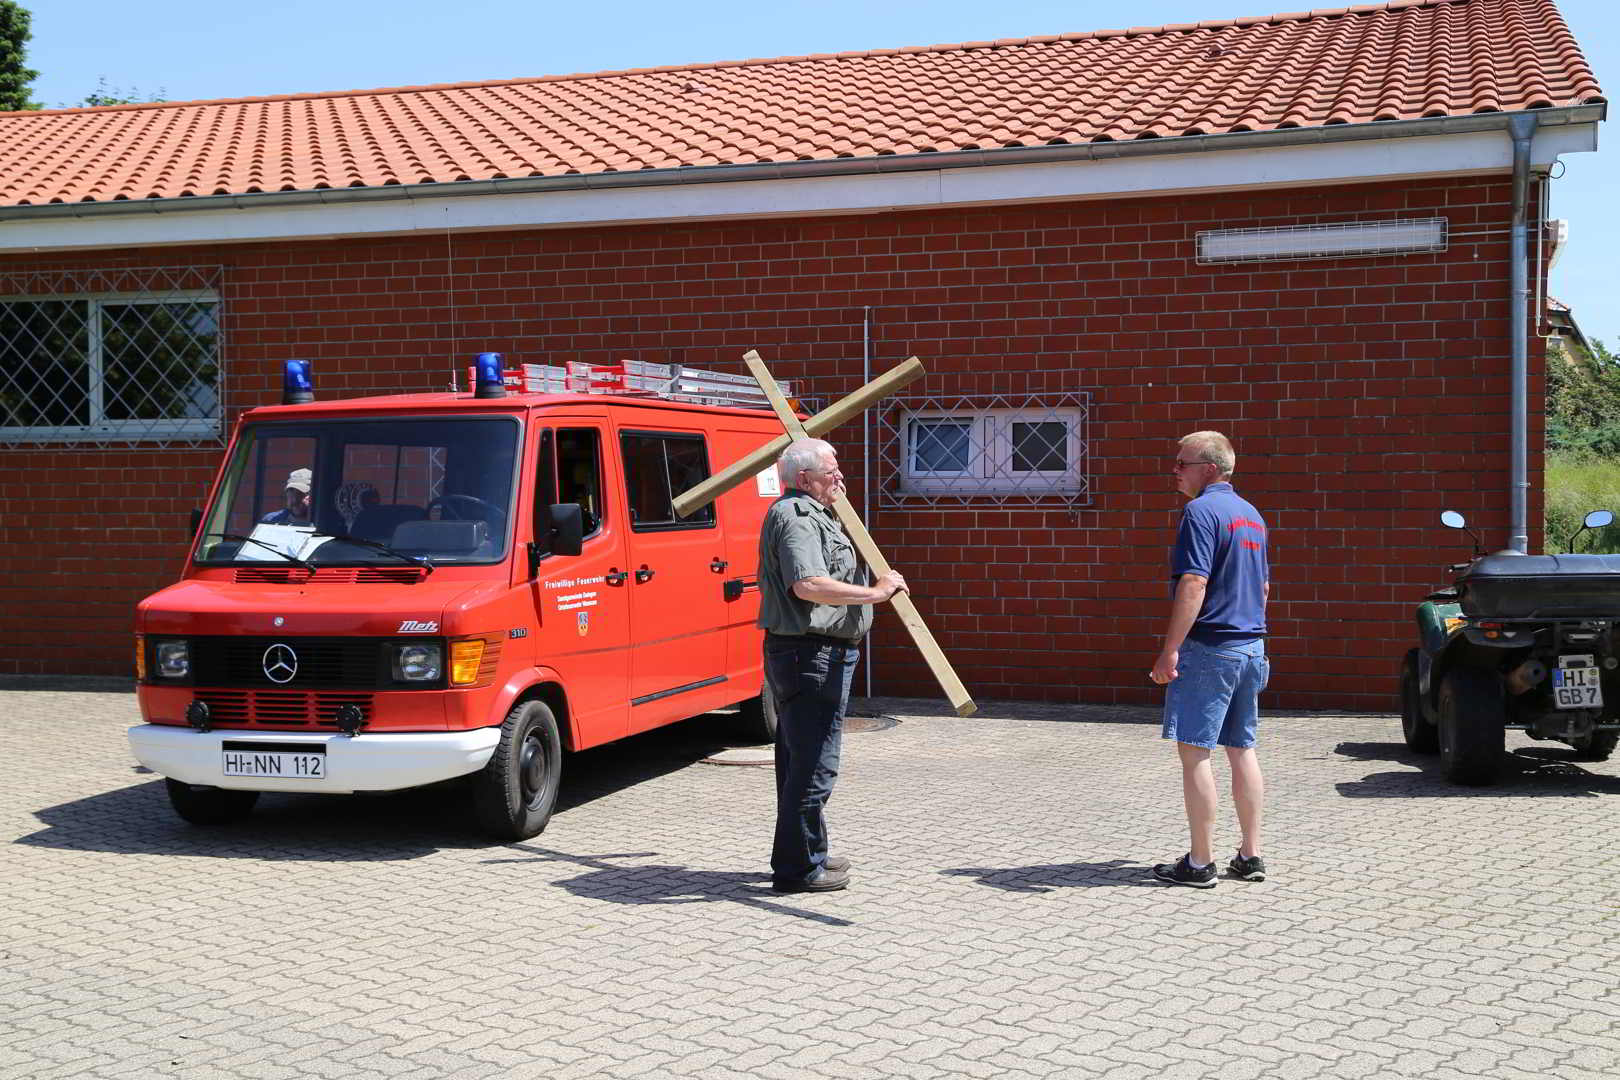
(1527, 642)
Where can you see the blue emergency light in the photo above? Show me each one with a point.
(297, 383)
(489, 375)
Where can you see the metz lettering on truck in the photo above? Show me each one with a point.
(414, 626)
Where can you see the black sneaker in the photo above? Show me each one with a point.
(1182, 873)
(1247, 867)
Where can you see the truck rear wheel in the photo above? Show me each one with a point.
(756, 717)
(1595, 747)
(210, 805)
(1421, 736)
(515, 793)
(1473, 732)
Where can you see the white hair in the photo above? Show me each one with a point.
(800, 455)
(1213, 447)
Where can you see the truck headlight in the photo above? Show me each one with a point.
(420, 661)
(173, 659)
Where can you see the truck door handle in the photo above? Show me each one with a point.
(719, 565)
(643, 575)
(615, 577)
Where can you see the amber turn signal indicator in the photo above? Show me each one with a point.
(466, 657)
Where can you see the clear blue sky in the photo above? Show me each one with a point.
(190, 49)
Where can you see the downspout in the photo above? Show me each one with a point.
(1522, 128)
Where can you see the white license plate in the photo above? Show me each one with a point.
(1576, 683)
(278, 764)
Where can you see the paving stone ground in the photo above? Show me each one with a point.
(1002, 923)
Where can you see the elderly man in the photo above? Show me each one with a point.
(1213, 663)
(815, 606)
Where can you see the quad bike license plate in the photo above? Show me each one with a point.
(1576, 684)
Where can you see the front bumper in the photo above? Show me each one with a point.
(365, 762)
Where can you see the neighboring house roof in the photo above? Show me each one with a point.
(1401, 60)
(1561, 322)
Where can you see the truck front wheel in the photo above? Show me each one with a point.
(1473, 721)
(210, 805)
(1421, 736)
(515, 793)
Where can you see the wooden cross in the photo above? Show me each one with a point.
(741, 470)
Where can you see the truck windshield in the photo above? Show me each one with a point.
(343, 492)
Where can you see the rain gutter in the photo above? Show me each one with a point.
(795, 170)
(1522, 129)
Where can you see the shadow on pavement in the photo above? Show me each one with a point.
(1528, 772)
(603, 770)
(387, 826)
(616, 883)
(294, 828)
(1048, 876)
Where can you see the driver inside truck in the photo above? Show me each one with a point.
(297, 500)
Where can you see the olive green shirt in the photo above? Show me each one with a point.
(802, 539)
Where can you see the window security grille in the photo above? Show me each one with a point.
(124, 357)
(987, 450)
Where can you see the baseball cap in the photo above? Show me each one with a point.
(299, 480)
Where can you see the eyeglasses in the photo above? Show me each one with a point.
(1189, 464)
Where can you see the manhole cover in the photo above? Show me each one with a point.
(743, 755)
(857, 724)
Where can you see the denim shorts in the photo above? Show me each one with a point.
(1215, 697)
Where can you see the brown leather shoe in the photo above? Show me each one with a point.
(820, 881)
(837, 863)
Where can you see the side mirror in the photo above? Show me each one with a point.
(196, 520)
(565, 535)
(1453, 520)
(567, 529)
(1595, 520)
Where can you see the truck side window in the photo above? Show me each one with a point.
(579, 473)
(657, 467)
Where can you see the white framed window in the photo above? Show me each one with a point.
(995, 450)
(119, 365)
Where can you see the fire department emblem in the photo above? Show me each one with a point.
(583, 619)
(280, 663)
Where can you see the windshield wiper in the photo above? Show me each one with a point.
(267, 547)
(420, 560)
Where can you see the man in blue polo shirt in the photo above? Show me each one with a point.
(1213, 664)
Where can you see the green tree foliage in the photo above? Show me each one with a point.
(1583, 401)
(14, 77)
(105, 94)
(1583, 445)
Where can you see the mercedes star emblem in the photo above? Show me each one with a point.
(280, 663)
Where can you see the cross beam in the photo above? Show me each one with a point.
(955, 692)
(703, 494)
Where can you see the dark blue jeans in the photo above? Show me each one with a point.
(811, 682)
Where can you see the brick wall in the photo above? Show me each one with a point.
(1363, 395)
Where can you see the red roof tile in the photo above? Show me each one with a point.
(1399, 60)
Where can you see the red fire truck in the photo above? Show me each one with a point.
(390, 592)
